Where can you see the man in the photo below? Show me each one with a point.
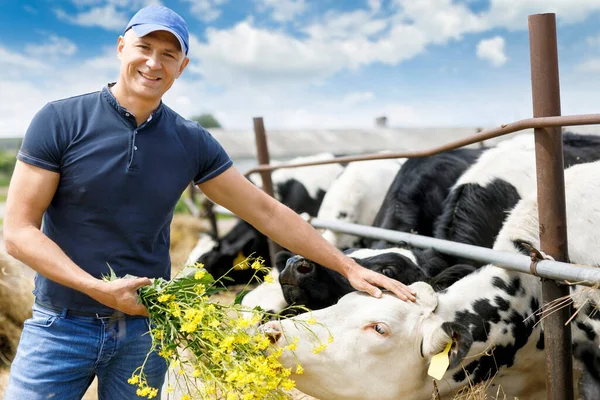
(96, 182)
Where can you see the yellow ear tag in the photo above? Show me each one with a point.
(439, 363)
(238, 262)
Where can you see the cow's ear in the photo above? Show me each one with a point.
(281, 259)
(426, 296)
(233, 248)
(462, 340)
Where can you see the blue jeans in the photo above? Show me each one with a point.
(59, 355)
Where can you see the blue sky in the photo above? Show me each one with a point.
(310, 64)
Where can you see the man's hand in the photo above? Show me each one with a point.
(365, 280)
(121, 294)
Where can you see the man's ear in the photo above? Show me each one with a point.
(120, 46)
(183, 65)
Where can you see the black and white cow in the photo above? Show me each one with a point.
(301, 189)
(489, 321)
(355, 196)
(478, 203)
(414, 200)
(307, 283)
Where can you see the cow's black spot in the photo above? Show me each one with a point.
(479, 327)
(510, 288)
(342, 215)
(484, 308)
(587, 329)
(540, 343)
(501, 303)
(478, 323)
(465, 371)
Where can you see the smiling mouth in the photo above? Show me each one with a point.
(148, 77)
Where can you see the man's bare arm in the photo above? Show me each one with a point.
(30, 192)
(234, 192)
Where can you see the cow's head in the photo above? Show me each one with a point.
(307, 283)
(242, 241)
(267, 296)
(381, 348)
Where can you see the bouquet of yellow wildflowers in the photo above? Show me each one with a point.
(214, 349)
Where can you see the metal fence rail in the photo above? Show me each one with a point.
(556, 270)
(529, 123)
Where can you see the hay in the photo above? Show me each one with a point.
(16, 284)
(185, 230)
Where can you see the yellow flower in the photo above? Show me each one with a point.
(189, 327)
(256, 264)
(199, 275)
(244, 323)
(163, 298)
(268, 279)
(170, 389)
(199, 265)
(319, 348)
(199, 289)
(311, 321)
(186, 397)
(165, 353)
(330, 339)
(133, 380)
(292, 346)
(299, 369)
(288, 384)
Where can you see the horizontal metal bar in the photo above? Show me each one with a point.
(539, 122)
(561, 271)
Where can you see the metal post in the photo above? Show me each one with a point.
(551, 201)
(209, 212)
(262, 153)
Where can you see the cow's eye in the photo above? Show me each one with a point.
(380, 329)
(388, 272)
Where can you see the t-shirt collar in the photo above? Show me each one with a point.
(112, 100)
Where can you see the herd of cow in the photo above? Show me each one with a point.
(489, 317)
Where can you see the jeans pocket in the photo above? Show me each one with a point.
(41, 318)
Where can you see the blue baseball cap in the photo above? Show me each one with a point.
(160, 18)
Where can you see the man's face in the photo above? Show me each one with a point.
(150, 64)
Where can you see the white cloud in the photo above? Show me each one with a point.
(206, 10)
(15, 65)
(283, 10)
(512, 14)
(355, 98)
(374, 5)
(107, 17)
(492, 50)
(54, 46)
(593, 41)
(23, 96)
(30, 9)
(592, 65)
(111, 15)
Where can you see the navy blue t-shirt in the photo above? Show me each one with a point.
(119, 184)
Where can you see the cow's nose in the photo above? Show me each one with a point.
(272, 330)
